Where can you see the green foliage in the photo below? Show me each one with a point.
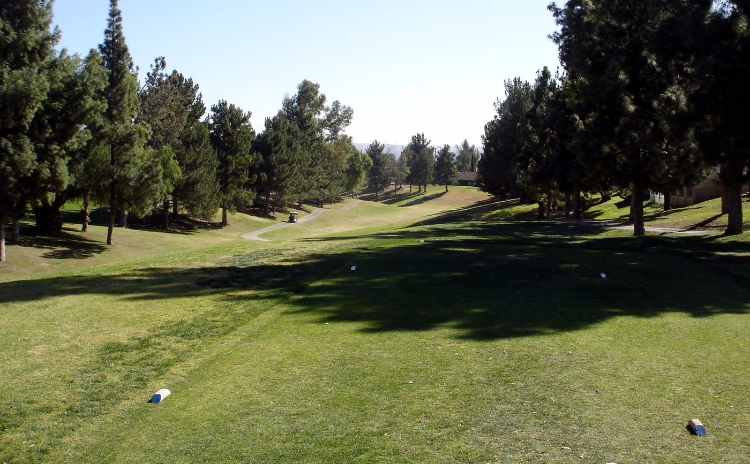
(633, 87)
(379, 175)
(421, 161)
(446, 172)
(173, 107)
(322, 155)
(280, 170)
(722, 46)
(232, 136)
(359, 164)
(135, 177)
(467, 157)
(26, 45)
(197, 190)
(503, 140)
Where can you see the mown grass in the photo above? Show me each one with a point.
(472, 336)
(702, 216)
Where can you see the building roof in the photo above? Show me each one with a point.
(467, 175)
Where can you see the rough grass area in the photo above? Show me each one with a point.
(471, 335)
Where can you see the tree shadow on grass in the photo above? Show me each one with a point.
(488, 281)
(423, 198)
(62, 245)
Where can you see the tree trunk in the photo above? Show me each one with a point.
(175, 210)
(266, 207)
(549, 206)
(111, 226)
(48, 219)
(165, 215)
(724, 202)
(124, 219)
(446, 188)
(85, 213)
(2, 238)
(224, 215)
(605, 196)
(636, 211)
(112, 196)
(16, 230)
(540, 211)
(568, 204)
(409, 186)
(734, 208)
(667, 201)
(577, 202)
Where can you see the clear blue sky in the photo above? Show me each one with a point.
(403, 66)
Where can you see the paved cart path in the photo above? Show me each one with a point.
(254, 235)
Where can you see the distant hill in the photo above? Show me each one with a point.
(395, 149)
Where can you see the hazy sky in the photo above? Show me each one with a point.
(403, 66)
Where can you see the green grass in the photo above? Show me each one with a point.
(494, 340)
(702, 216)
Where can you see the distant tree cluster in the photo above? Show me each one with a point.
(652, 94)
(83, 128)
(420, 164)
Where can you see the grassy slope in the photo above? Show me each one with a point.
(704, 216)
(490, 341)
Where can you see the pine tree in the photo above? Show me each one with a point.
(445, 167)
(467, 157)
(26, 44)
(722, 41)
(632, 87)
(135, 174)
(61, 130)
(421, 161)
(503, 140)
(378, 174)
(280, 170)
(232, 136)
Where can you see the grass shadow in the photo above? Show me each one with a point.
(423, 198)
(62, 245)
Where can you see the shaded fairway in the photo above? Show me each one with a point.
(472, 341)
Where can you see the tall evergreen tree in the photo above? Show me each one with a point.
(722, 101)
(197, 190)
(232, 137)
(445, 167)
(62, 128)
(280, 170)
(323, 163)
(135, 174)
(467, 157)
(172, 106)
(379, 176)
(534, 173)
(422, 161)
(26, 43)
(503, 140)
(631, 86)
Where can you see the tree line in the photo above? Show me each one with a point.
(419, 164)
(85, 128)
(652, 95)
